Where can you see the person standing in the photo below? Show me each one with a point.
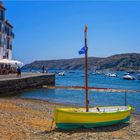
(18, 72)
(43, 69)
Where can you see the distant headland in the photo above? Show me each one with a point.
(119, 62)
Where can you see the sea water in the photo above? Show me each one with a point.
(77, 97)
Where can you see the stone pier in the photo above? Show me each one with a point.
(11, 84)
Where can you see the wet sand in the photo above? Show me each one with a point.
(32, 119)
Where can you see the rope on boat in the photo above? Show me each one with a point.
(90, 88)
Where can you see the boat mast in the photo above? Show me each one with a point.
(86, 69)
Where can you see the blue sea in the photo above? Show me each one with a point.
(77, 97)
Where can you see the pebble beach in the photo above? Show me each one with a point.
(26, 119)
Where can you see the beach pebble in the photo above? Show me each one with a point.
(31, 119)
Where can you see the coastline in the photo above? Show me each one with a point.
(32, 119)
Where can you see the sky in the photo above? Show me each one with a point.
(46, 30)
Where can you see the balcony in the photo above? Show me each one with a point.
(11, 34)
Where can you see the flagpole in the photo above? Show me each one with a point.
(86, 70)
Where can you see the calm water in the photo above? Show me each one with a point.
(77, 97)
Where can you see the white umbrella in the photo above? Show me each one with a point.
(5, 61)
(16, 63)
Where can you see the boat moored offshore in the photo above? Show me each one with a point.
(128, 77)
(111, 74)
(61, 73)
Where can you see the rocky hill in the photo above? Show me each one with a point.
(130, 61)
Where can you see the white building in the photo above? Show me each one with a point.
(6, 35)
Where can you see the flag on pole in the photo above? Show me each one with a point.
(83, 50)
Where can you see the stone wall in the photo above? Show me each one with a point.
(13, 86)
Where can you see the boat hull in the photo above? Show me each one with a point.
(69, 119)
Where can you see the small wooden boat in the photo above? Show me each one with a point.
(69, 118)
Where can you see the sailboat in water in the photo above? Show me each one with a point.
(69, 118)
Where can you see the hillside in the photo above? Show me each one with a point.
(130, 61)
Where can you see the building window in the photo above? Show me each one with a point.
(0, 27)
(5, 29)
(1, 15)
(9, 32)
(8, 44)
(7, 55)
(10, 47)
(0, 40)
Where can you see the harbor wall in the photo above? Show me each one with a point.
(13, 86)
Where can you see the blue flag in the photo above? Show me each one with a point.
(83, 50)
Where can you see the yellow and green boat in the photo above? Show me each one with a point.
(69, 118)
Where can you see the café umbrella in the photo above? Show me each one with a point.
(5, 61)
(16, 63)
(13, 63)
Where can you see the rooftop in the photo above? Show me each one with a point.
(7, 22)
(1, 5)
